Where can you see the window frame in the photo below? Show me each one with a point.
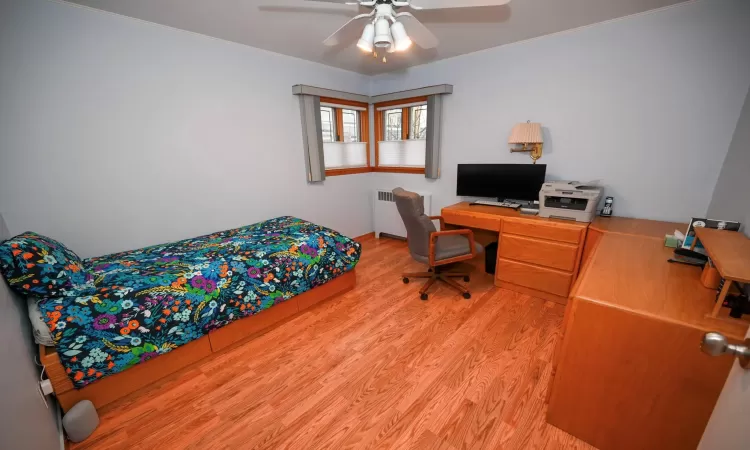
(364, 132)
(405, 128)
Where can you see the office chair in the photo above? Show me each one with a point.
(432, 247)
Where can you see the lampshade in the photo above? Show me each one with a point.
(526, 133)
(401, 39)
(383, 38)
(368, 37)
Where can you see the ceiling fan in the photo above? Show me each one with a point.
(386, 27)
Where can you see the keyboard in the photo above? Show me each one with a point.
(499, 204)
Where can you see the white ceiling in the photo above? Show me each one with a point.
(297, 27)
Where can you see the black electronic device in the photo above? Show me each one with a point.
(577, 204)
(517, 182)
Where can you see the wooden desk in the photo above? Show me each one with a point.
(628, 373)
(730, 253)
(536, 256)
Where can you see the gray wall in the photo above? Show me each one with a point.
(731, 199)
(118, 133)
(25, 423)
(646, 104)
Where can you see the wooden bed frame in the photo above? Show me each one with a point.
(114, 387)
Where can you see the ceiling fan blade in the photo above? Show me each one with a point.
(444, 4)
(417, 31)
(343, 33)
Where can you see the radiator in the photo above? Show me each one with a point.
(386, 217)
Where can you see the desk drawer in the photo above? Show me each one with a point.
(544, 230)
(473, 221)
(557, 255)
(540, 278)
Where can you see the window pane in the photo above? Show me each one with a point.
(329, 124)
(351, 125)
(418, 126)
(392, 125)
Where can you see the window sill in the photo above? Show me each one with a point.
(414, 170)
(356, 170)
(347, 171)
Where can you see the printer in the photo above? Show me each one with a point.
(569, 200)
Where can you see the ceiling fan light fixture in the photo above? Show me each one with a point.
(402, 40)
(383, 38)
(368, 39)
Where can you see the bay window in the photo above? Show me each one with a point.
(400, 135)
(345, 128)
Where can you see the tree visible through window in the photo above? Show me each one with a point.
(393, 124)
(418, 126)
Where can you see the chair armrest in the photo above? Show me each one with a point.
(433, 240)
(442, 221)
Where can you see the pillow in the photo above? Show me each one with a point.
(37, 265)
(39, 327)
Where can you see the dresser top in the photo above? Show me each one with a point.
(636, 227)
(632, 273)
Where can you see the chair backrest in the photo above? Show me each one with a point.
(418, 226)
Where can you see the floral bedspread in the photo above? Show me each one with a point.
(150, 301)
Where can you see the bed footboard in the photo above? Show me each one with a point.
(115, 387)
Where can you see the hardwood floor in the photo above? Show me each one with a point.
(374, 368)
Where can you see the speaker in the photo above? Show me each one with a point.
(80, 421)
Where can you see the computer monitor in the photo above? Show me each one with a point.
(504, 181)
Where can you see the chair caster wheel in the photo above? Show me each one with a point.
(467, 279)
(423, 297)
(467, 296)
(406, 280)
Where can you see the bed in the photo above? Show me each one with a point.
(150, 312)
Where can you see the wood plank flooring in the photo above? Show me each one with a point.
(374, 368)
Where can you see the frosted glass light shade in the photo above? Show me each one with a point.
(367, 40)
(402, 41)
(383, 38)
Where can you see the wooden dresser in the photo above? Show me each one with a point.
(535, 256)
(628, 372)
